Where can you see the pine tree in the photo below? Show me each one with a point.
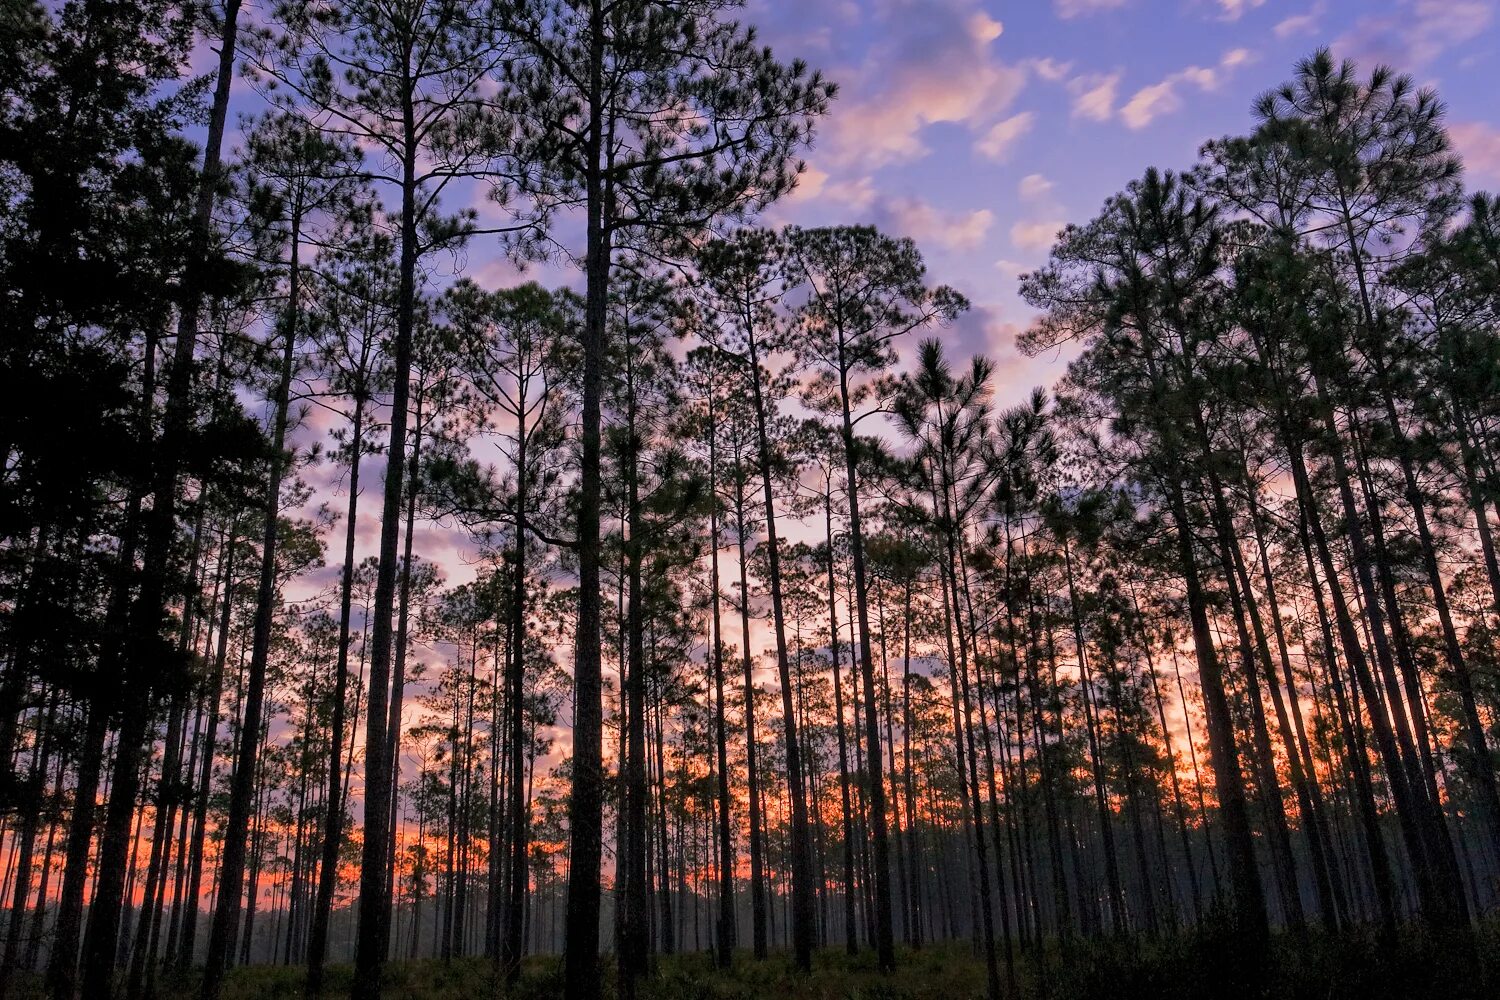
(864, 290)
(641, 180)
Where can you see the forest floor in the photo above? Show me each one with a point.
(1199, 966)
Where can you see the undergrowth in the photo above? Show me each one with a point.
(1413, 964)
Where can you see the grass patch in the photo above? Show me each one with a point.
(1205, 964)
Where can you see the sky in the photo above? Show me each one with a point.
(980, 127)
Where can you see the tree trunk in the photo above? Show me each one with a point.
(758, 915)
(371, 942)
(724, 929)
(333, 817)
(885, 946)
(223, 930)
(851, 942)
(804, 928)
(1249, 901)
(586, 801)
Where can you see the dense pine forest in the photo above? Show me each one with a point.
(697, 621)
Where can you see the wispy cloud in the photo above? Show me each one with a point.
(929, 225)
(999, 142)
(1165, 97)
(1233, 10)
(1036, 236)
(1298, 25)
(1034, 187)
(1094, 96)
(1069, 9)
(1049, 69)
(859, 199)
(1043, 215)
(1416, 34)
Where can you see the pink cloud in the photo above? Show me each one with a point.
(1416, 35)
(1034, 187)
(1069, 9)
(1035, 236)
(936, 65)
(1049, 69)
(1479, 145)
(1233, 10)
(1300, 24)
(930, 225)
(1094, 95)
(1165, 97)
(999, 142)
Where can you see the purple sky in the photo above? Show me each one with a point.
(979, 127)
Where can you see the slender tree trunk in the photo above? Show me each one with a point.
(161, 836)
(1283, 859)
(885, 946)
(1393, 738)
(1310, 529)
(333, 816)
(914, 892)
(403, 622)
(1085, 686)
(1039, 729)
(804, 928)
(851, 942)
(210, 745)
(635, 943)
(1171, 763)
(968, 777)
(724, 929)
(223, 930)
(515, 692)
(1474, 494)
(758, 914)
(32, 794)
(1304, 772)
(371, 941)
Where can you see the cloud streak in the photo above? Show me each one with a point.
(1070, 9)
(1166, 96)
(1415, 34)
(999, 142)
